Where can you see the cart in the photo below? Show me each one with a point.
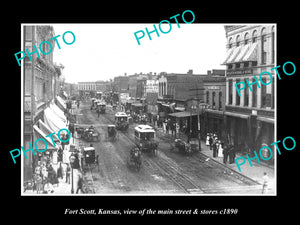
(134, 160)
(111, 133)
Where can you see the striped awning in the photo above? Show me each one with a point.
(234, 54)
(251, 54)
(242, 53)
(228, 54)
(40, 144)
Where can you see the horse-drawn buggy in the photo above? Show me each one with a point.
(111, 133)
(89, 158)
(145, 139)
(88, 134)
(186, 147)
(94, 103)
(121, 121)
(101, 107)
(135, 160)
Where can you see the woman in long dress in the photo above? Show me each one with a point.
(220, 152)
(207, 139)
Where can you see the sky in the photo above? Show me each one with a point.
(104, 51)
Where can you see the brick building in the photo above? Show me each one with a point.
(250, 117)
(40, 86)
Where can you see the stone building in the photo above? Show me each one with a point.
(250, 117)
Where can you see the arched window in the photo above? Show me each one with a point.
(254, 36)
(230, 43)
(238, 40)
(263, 46)
(246, 38)
(213, 100)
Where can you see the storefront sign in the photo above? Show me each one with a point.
(239, 72)
(213, 87)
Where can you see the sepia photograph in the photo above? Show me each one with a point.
(175, 108)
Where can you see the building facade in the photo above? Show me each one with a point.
(121, 84)
(250, 117)
(40, 85)
(87, 89)
(214, 98)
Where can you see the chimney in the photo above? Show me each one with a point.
(190, 72)
(125, 74)
(209, 72)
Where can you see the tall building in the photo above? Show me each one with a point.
(250, 117)
(40, 85)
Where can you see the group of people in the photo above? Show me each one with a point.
(220, 148)
(45, 176)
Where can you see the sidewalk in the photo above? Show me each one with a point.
(255, 172)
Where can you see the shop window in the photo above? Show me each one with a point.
(254, 36)
(263, 46)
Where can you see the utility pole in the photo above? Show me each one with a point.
(198, 111)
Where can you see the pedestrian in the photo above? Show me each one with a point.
(265, 183)
(48, 187)
(211, 141)
(71, 129)
(215, 148)
(231, 154)
(79, 183)
(207, 139)
(225, 154)
(68, 172)
(220, 149)
(60, 171)
(98, 112)
(60, 154)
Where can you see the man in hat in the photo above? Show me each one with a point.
(215, 147)
(225, 153)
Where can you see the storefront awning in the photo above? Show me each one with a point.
(61, 103)
(58, 112)
(265, 119)
(40, 144)
(251, 54)
(243, 116)
(53, 121)
(183, 114)
(43, 127)
(180, 108)
(214, 111)
(234, 54)
(228, 54)
(244, 50)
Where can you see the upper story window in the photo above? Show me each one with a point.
(254, 36)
